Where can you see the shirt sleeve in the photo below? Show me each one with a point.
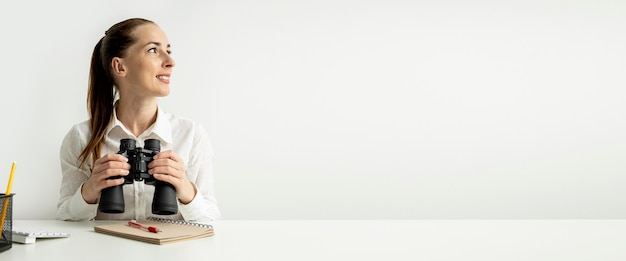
(71, 205)
(203, 208)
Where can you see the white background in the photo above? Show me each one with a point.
(379, 109)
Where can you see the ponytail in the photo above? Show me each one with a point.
(100, 99)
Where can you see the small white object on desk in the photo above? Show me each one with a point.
(29, 237)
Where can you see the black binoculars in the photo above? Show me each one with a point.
(164, 201)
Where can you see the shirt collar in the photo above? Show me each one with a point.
(161, 128)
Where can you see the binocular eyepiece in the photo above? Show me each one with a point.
(164, 201)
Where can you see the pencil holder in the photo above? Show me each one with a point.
(6, 219)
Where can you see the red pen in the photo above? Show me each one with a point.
(133, 223)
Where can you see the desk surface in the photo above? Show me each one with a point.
(345, 240)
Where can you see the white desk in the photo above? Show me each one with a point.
(346, 240)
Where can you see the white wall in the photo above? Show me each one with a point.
(351, 109)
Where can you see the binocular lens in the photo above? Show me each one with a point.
(153, 145)
(127, 144)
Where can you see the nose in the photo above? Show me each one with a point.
(169, 61)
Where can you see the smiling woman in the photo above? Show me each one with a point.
(131, 66)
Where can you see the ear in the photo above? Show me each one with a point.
(117, 64)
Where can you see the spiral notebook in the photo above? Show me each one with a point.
(171, 231)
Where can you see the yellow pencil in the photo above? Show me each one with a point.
(6, 199)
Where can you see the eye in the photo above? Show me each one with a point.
(152, 50)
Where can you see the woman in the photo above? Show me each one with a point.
(130, 67)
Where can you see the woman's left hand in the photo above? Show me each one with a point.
(169, 167)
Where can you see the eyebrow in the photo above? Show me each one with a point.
(157, 44)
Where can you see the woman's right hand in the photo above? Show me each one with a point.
(110, 165)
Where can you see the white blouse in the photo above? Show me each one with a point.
(188, 139)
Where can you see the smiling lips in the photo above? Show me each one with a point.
(164, 78)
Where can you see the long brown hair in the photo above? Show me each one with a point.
(101, 94)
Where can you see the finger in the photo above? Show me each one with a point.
(168, 154)
(110, 169)
(112, 157)
(111, 161)
(167, 170)
(167, 178)
(176, 182)
(110, 183)
(102, 184)
(112, 173)
(104, 173)
(166, 162)
(98, 182)
(114, 165)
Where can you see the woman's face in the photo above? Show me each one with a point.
(148, 65)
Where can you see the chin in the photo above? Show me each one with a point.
(163, 92)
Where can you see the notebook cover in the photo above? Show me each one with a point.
(170, 232)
